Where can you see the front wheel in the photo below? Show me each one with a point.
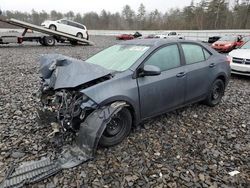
(117, 129)
(216, 93)
(79, 35)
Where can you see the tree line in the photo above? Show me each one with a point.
(207, 14)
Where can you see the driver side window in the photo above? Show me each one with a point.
(165, 58)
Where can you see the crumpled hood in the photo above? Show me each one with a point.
(60, 71)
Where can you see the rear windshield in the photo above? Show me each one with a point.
(118, 57)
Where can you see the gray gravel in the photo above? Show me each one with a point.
(196, 146)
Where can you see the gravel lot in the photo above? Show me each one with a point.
(196, 146)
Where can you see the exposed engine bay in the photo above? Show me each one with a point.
(66, 101)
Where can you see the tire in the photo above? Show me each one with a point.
(216, 93)
(52, 27)
(79, 35)
(41, 41)
(117, 129)
(49, 41)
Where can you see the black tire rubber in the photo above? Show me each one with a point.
(49, 41)
(216, 93)
(41, 41)
(107, 140)
(52, 27)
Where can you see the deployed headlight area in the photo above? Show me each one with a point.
(69, 107)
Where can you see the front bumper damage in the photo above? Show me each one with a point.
(82, 150)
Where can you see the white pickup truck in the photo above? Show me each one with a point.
(170, 35)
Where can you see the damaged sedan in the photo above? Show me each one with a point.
(149, 77)
(99, 100)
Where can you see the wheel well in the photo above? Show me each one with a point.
(52, 25)
(221, 77)
(131, 110)
(79, 33)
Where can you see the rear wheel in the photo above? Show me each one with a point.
(216, 93)
(117, 129)
(49, 41)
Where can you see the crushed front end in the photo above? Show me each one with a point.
(62, 82)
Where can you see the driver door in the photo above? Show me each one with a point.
(166, 91)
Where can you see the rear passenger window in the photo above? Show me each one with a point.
(193, 53)
(165, 58)
(64, 22)
(206, 53)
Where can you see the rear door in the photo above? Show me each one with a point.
(198, 67)
(63, 26)
(167, 90)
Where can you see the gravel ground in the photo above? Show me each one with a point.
(196, 146)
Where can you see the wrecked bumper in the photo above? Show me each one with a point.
(82, 150)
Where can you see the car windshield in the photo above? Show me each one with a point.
(246, 45)
(118, 57)
(228, 38)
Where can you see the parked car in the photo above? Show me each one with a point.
(152, 76)
(213, 39)
(128, 36)
(227, 43)
(241, 60)
(67, 26)
(170, 35)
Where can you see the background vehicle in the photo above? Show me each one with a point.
(67, 26)
(227, 43)
(213, 39)
(149, 75)
(241, 60)
(128, 36)
(172, 35)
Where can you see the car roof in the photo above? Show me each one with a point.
(155, 42)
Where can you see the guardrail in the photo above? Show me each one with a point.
(201, 35)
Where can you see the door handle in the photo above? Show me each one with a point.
(212, 65)
(181, 74)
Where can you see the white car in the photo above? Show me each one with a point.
(170, 35)
(240, 63)
(68, 27)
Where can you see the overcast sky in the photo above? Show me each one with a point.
(83, 6)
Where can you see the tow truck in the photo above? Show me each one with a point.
(44, 36)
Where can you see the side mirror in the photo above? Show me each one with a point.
(150, 70)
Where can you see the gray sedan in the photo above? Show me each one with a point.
(151, 76)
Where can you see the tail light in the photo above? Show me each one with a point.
(229, 59)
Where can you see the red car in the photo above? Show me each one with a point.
(128, 36)
(125, 37)
(227, 43)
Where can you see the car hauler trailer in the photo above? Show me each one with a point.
(47, 37)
